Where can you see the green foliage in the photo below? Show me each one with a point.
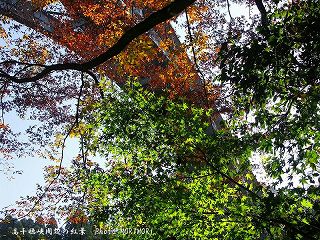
(165, 174)
(158, 175)
(275, 79)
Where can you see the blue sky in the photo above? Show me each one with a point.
(12, 186)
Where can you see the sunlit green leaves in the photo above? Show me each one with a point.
(158, 153)
(165, 173)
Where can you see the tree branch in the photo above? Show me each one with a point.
(230, 179)
(263, 12)
(144, 26)
(229, 12)
(94, 77)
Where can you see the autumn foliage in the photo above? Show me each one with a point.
(157, 57)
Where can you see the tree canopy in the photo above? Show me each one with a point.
(114, 75)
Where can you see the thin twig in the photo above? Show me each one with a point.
(62, 155)
(15, 62)
(192, 48)
(215, 169)
(97, 82)
(195, 60)
(84, 161)
(3, 89)
(228, 4)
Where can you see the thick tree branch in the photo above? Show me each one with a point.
(263, 12)
(154, 19)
